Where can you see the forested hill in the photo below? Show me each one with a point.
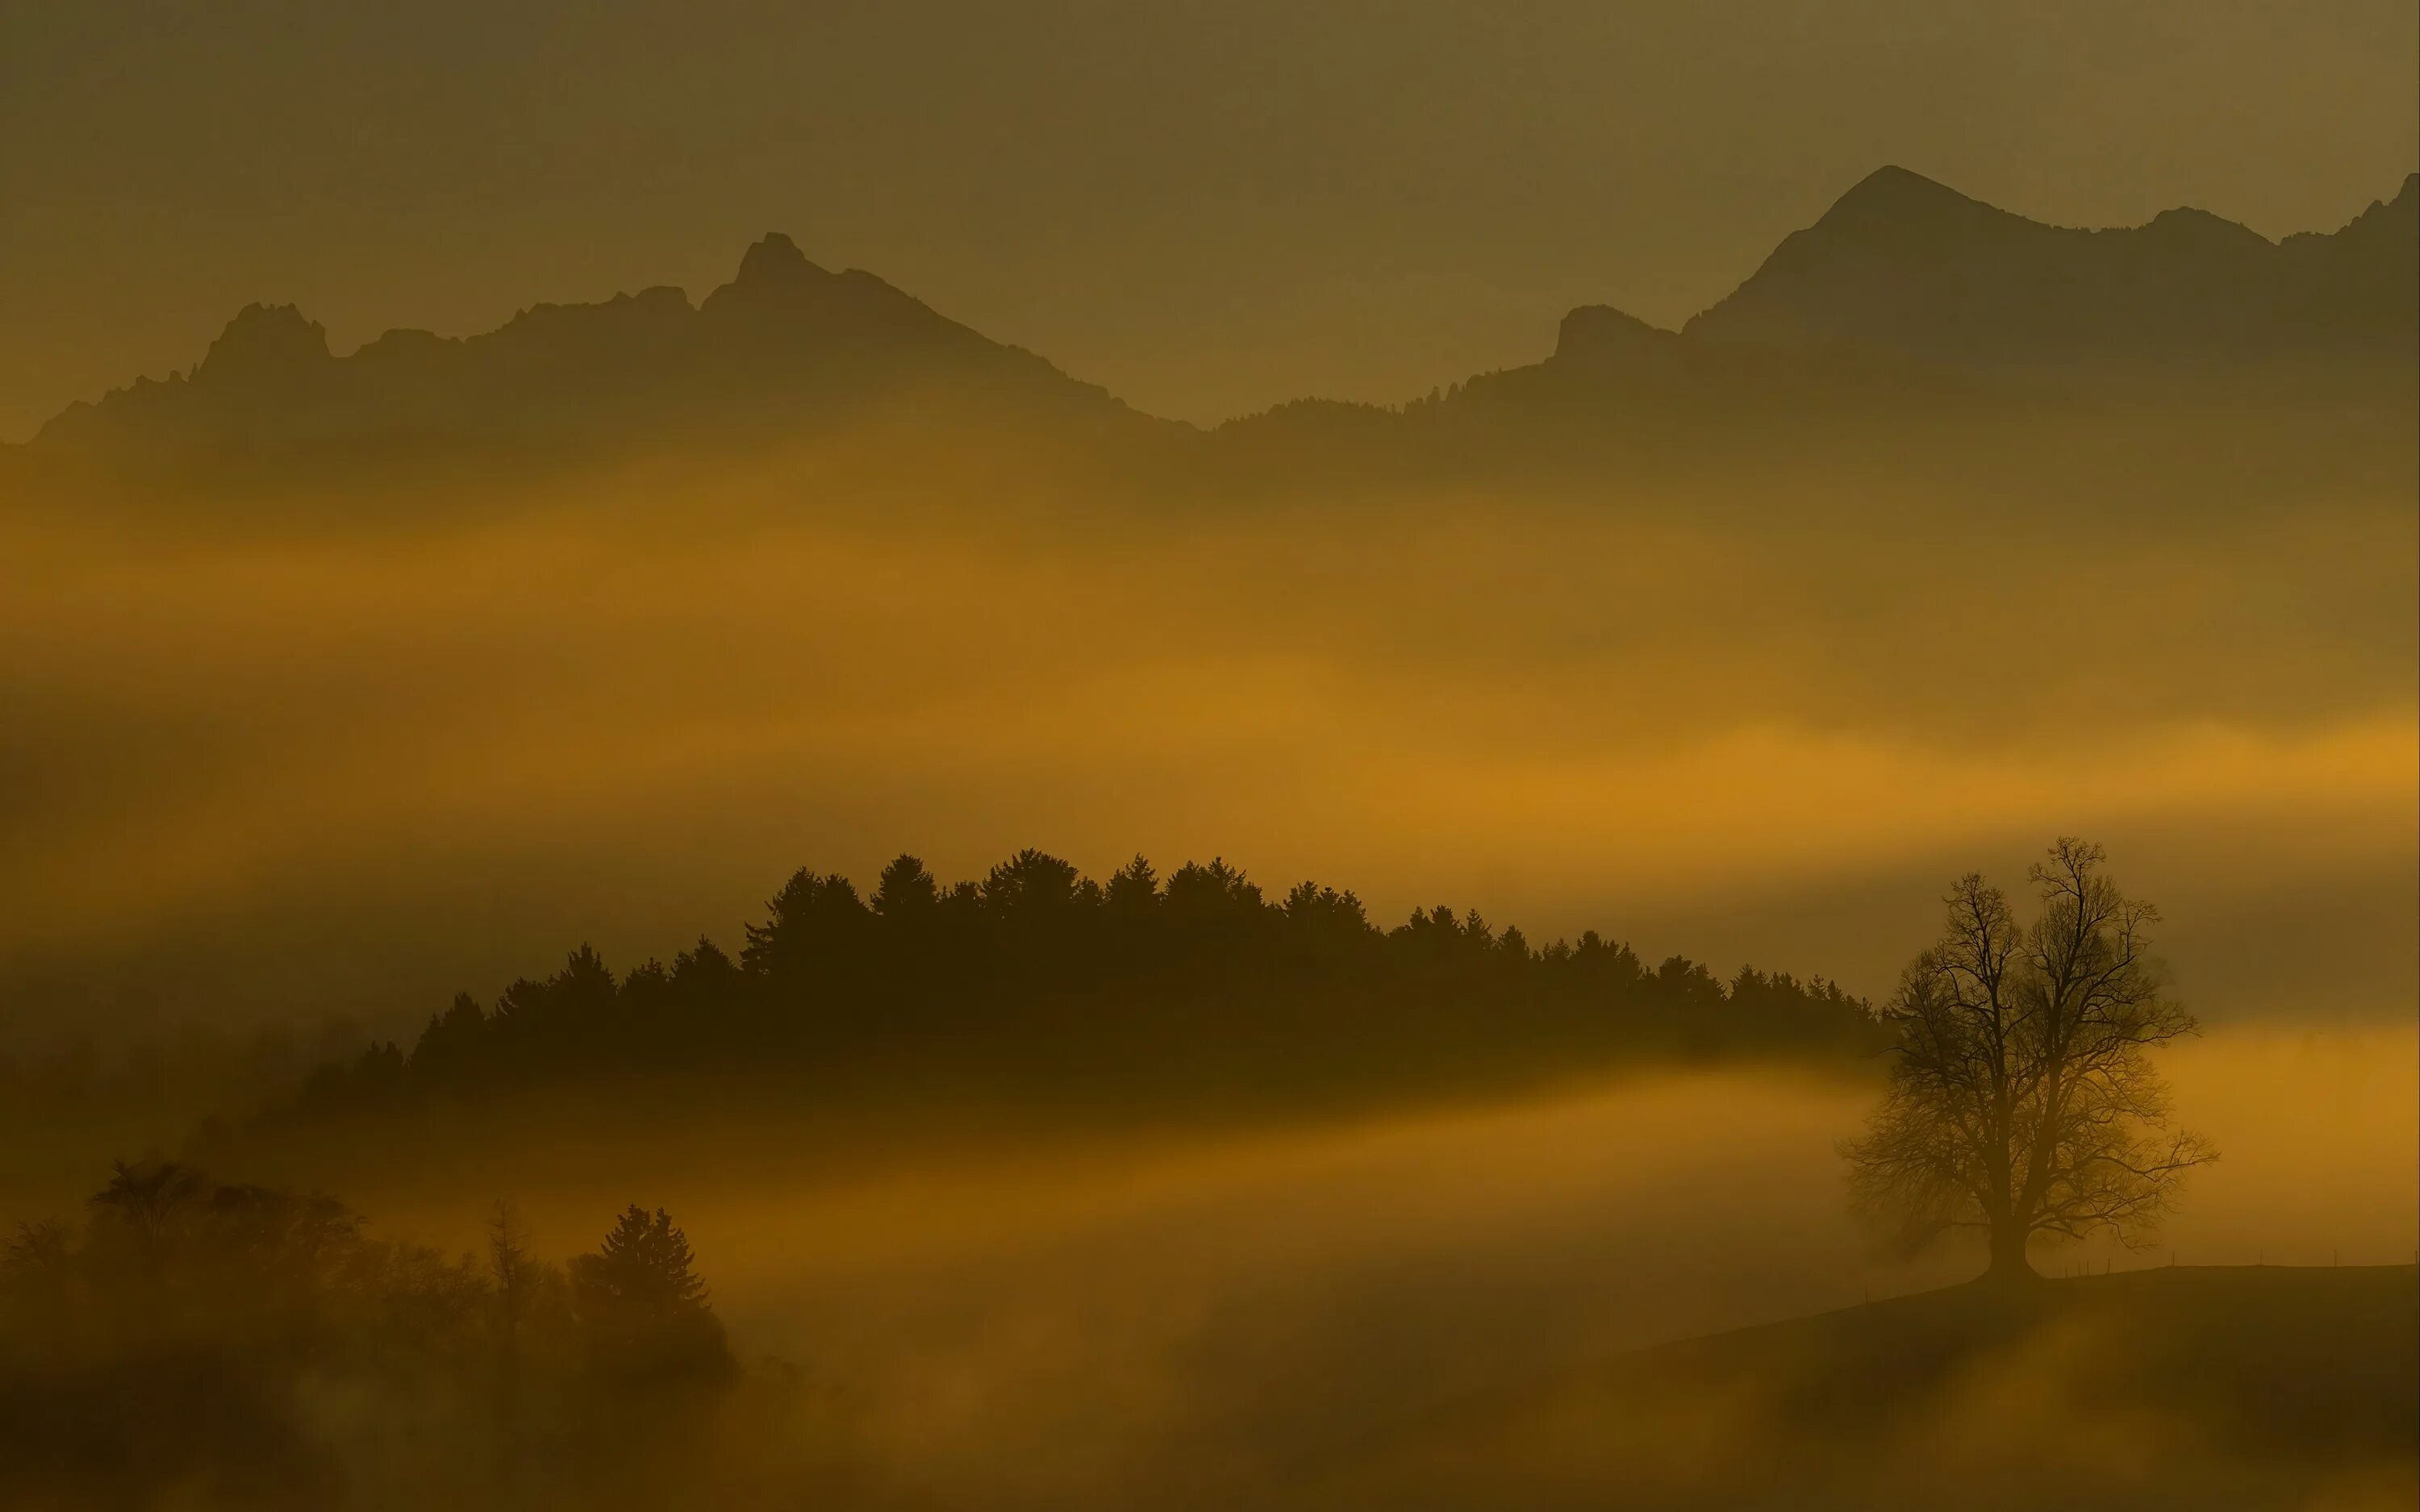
(1039, 982)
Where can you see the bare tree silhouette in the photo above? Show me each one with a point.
(511, 1268)
(147, 1199)
(513, 1273)
(42, 1247)
(2022, 1099)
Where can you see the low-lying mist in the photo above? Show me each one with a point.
(1287, 1315)
(336, 767)
(358, 761)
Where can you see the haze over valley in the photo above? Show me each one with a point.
(1425, 760)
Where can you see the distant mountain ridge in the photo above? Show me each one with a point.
(1899, 271)
(784, 338)
(1902, 264)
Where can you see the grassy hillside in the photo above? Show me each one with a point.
(2201, 1388)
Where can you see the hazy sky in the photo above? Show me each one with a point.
(1209, 208)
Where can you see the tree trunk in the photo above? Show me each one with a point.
(2009, 1262)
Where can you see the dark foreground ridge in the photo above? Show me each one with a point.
(2185, 1387)
(196, 1343)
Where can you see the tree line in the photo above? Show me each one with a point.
(1037, 974)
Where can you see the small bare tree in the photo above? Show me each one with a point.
(2022, 1099)
(513, 1271)
(149, 1200)
(515, 1274)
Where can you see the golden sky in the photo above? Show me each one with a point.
(323, 737)
(1209, 208)
(1715, 712)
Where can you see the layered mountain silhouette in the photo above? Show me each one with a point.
(784, 339)
(1900, 281)
(1906, 266)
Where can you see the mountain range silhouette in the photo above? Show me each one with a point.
(784, 336)
(1906, 266)
(1901, 275)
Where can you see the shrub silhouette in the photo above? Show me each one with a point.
(222, 1344)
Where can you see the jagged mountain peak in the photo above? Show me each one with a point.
(2389, 217)
(774, 260)
(265, 338)
(1594, 332)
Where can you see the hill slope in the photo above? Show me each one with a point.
(2202, 1388)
